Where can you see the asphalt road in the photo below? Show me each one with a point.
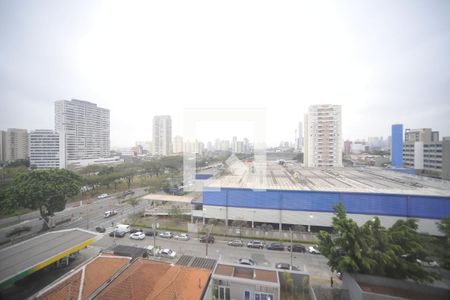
(86, 216)
(316, 265)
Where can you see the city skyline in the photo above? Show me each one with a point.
(341, 56)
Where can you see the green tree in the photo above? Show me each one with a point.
(175, 212)
(371, 249)
(46, 190)
(133, 202)
(443, 249)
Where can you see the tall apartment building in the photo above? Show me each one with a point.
(423, 151)
(162, 135)
(85, 129)
(178, 146)
(323, 134)
(299, 137)
(2, 145)
(46, 149)
(15, 144)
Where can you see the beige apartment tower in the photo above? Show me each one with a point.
(162, 135)
(14, 144)
(323, 136)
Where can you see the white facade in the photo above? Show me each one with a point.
(299, 138)
(178, 144)
(15, 144)
(162, 135)
(85, 129)
(422, 150)
(46, 149)
(2, 144)
(306, 218)
(323, 134)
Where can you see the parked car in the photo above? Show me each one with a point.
(118, 233)
(137, 235)
(236, 243)
(432, 263)
(110, 213)
(123, 227)
(167, 253)
(102, 196)
(297, 248)
(207, 239)
(151, 232)
(134, 230)
(255, 244)
(276, 246)
(182, 237)
(100, 229)
(166, 235)
(285, 266)
(246, 261)
(126, 193)
(313, 250)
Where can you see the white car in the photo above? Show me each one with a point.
(110, 213)
(313, 250)
(167, 253)
(137, 236)
(432, 264)
(166, 235)
(182, 237)
(102, 196)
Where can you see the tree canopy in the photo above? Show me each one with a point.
(444, 253)
(46, 190)
(372, 249)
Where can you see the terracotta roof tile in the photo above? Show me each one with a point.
(96, 273)
(68, 289)
(151, 280)
(100, 270)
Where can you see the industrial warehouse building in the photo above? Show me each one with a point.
(292, 195)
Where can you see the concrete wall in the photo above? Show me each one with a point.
(350, 282)
(302, 217)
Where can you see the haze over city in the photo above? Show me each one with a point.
(385, 62)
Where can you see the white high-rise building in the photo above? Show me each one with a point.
(323, 134)
(15, 144)
(162, 135)
(178, 144)
(46, 149)
(85, 129)
(2, 145)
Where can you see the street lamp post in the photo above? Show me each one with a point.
(310, 221)
(253, 219)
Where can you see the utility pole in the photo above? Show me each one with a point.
(292, 246)
(207, 239)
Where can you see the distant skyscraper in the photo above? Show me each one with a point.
(85, 129)
(162, 135)
(2, 145)
(299, 137)
(397, 146)
(234, 144)
(323, 134)
(46, 149)
(15, 144)
(347, 147)
(178, 144)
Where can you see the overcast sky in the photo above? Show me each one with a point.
(385, 62)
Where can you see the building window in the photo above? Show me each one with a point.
(263, 296)
(224, 293)
(247, 295)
